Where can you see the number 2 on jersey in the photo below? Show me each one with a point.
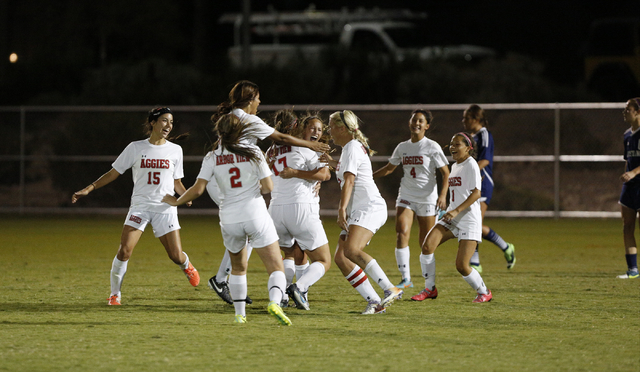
(235, 175)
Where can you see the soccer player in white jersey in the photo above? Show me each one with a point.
(242, 174)
(295, 207)
(156, 166)
(462, 220)
(418, 195)
(361, 212)
(243, 102)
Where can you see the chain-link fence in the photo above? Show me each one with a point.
(550, 159)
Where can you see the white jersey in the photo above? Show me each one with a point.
(419, 163)
(259, 129)
(365, 195)
(154, 169)
(238, 179)
(293, 190)
(464, 178)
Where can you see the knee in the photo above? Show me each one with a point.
(463, 268)
(124, 252)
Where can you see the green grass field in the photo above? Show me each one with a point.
(560, 309)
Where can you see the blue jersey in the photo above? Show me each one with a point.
(484, 143)
(632, 154)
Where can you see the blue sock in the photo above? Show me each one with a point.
(496, 239)
(632, 261)
(475, 259)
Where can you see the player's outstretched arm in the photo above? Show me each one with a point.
(193, 193)
(384, 171)
(285, 139)
(104, 180)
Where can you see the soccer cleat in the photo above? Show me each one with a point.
(192, 275)
(483, 297)
(113, 300)
(390, 295)
(631, 274)
(510, 256)
(405, 284)
(299, 298)
(478, 267)
(285, 302)
(240, 319)
(426, 293)
(275, 310)
(374, 308)
(221, 289)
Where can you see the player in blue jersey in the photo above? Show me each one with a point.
(630, 195)
(475, 122)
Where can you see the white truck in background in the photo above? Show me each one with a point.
(279, 38)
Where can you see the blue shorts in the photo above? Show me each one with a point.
(487, 191)
(630, 196)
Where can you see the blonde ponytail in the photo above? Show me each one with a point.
(352, 123)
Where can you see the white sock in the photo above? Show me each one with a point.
(225, 268)
(185, 265)
(276, 285)
(300, 270)
(289, 270)
(311, 275)
(118, 269)
(377, 275)
(475, 281)
(360, 282)
(402, 258)
(238, 290)
(428, 265)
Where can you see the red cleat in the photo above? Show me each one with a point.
(113, 300)
(483, 297)
(192, 275)
(425, 293)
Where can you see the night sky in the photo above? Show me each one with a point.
(66, 38)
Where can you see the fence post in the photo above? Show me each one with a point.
(556, 164)
(22, 158)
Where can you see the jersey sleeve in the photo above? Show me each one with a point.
(349, 160)
(178, 172)
(396, 158)
(263, 170)
(485, 146)
(206, 169)
(440, 160)
(259, 128)
(475, 179)
(126, 159)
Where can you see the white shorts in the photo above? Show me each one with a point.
(299, 223)
(162, 223)
(372, 219)
(420, 209)
(260, 231)
(464, 233)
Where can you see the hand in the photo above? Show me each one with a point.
(170, 199)
(627, 176)
(287, 173)
(79, 194)
(442, 203)
(316, 188)
(450, 215)
(320, 147)
(342, 220)
(325, 158)
(189, 204)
